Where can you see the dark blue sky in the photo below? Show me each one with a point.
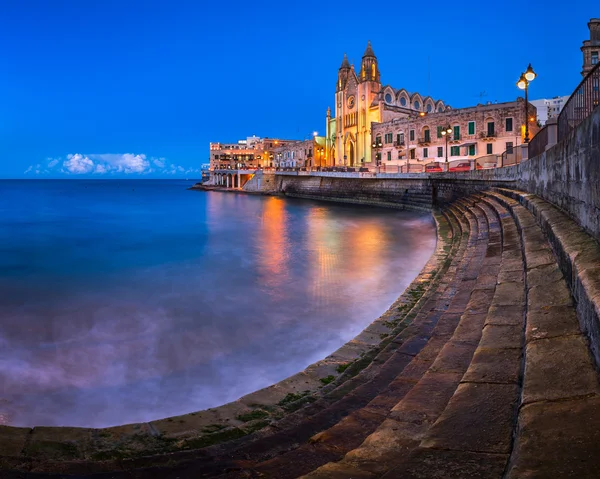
(138, 86)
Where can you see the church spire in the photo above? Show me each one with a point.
(369, 70)
(345, 62)
(343, 73)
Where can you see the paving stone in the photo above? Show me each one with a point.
(437, 464)
(454, 357)
(510, 276)
(558, 368)
(539, 258)
(390, 396)
(551, 322)
(509, 294)
(548, 295)
(338, 470)
(494, 366)
(486, 281)
(387, 446)
(469, 329)
(504, 336)
(506, 315)
(543, 274)
(432, 348)
(480, 301)
(558, 440)
(427, 399)
(12, 440)
(479, 418)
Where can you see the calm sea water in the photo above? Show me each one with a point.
(126, 301)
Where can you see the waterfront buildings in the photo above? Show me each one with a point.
(361, 100)
(453, 134)
(250, 153)
(549, 108)
(591, 47)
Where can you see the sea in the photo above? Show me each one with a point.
(126, 301)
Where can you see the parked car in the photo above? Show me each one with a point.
(466, 166)
(433, 169)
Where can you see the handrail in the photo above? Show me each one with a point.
(538, 143)
(584, 99)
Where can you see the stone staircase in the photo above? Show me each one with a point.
(489, 373)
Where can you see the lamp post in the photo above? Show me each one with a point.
(523, 84)
(446, 132)
(321, 157)
(377, 145)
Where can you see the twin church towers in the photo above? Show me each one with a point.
(361, 99)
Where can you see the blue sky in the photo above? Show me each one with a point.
(127, 88)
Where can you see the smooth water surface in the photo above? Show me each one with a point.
(127, 301)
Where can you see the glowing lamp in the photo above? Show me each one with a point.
(522, 83)
(530, 74)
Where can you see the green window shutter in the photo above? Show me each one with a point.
(471, 150)
(425, 153)
(489, 148)
(471, 128)
(427, 135)
(439, 131)
(389, 155)
(456, 132)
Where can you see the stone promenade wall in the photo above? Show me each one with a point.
(567, 175)
(398, 193)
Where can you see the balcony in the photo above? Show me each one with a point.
(488, 135)
(424, 141)
(399, 143)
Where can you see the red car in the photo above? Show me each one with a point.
(461, 167)
(433, 169)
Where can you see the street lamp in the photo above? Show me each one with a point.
(523, 84)
(321, 157)
(377, 144)
(446, 132)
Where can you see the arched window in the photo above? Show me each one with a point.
(388, 98)
(417, 105)
(403, 101)
(429, 108)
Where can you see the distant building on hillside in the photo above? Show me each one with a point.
(591, 47)
(549, 108)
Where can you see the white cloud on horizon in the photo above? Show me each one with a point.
(109, 163)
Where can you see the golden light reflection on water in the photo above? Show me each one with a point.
(273, 249)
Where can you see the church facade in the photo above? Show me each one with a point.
(360, 100)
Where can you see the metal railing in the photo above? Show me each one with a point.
(512, 156)
(538, 143)
(488, 134)
(580, 105)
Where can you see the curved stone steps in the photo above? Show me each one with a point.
(559, 416)
(330, 444)
(409, 420)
